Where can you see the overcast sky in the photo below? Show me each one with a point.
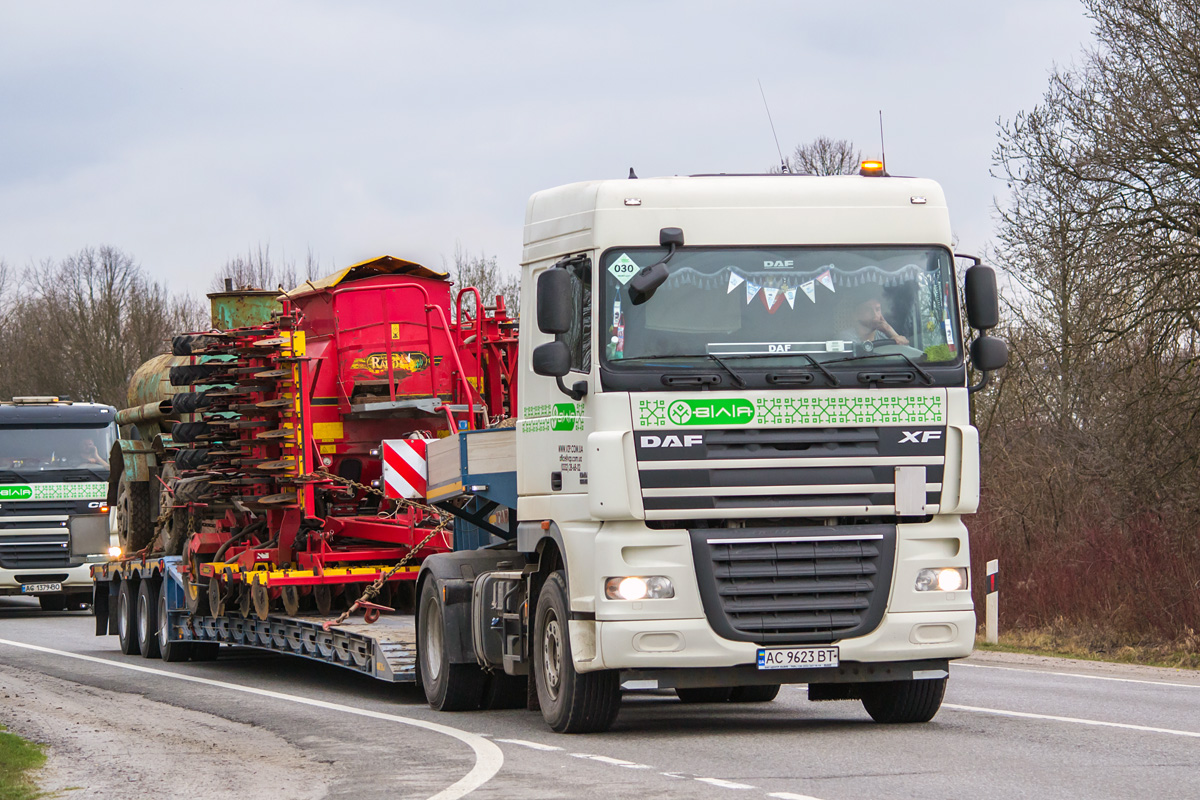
(189, 133)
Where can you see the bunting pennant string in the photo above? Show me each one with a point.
(751, 290)
(810, 289)
(790, 296)
(735, 280)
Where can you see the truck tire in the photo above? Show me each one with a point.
(448, 687)
(707, 694)
(126, 619)
(169, 650)
(205, 651)
(147, 618)
(754, 694)
(572, 702)
(52, 602)
(904, 701)
(135, 523)
(505, 691)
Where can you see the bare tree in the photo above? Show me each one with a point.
(485, 274)
(81, 326)
(256, 270)
(824, 156)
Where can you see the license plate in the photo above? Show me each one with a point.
(30, 588)
(797, 657)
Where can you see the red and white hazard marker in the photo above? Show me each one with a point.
(404, 470)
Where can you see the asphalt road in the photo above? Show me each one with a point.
(1011, 727)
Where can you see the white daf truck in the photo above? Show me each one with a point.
(742, 456)
(53, 510)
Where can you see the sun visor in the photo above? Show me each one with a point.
(383, 265)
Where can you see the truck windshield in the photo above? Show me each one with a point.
(824, 302)
(31, 451)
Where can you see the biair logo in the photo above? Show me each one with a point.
(16, 492)
(671, 440)
(710, 412)
(919, 437)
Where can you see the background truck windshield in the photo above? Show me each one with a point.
(825, 302)
(29, 451)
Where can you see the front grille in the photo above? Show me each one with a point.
(794, 585)
(35, 551)
(802, 472)
(30, 508)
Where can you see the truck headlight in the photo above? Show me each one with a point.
(114, 552)
(633, 587)
(948, 579)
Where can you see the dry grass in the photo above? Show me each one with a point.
(1095, 644)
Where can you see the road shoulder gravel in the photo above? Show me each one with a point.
(103, 744)
(1098, 669)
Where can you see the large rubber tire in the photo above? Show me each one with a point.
(135, 523)
(448, 687)
(53, 602)
(169, 650)
(754, 694)
(707, 694)
(147, 618)
(126, 618)
(505, 691)
(904, 701)
(572, 702)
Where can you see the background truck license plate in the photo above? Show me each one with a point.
(29, 588)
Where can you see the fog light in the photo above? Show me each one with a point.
(114, 552)
(949, 579)
(655, 587)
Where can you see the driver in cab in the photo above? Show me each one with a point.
(870, 324)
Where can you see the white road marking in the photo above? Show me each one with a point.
(726, 784)
(488, 757)
(1075, 720)
(1081, 675)
(616, 762)
(530, 745)
(790, 796)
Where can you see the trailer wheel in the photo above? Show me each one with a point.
(572, 702)
(135, 523)
(171, 651)
(754, 694)
(904, 701)
(448, 687)
(705, 694)
(147, 618)
(126, 621)
(52, 602)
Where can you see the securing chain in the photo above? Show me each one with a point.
(372, 590)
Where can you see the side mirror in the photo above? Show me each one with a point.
(551, 359)
(554, 307)
(988, 353)
(644, 284)
(983, 302)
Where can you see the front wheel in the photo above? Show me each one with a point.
(904, 701)
(448, 687)
(572, 702)
(754, 694)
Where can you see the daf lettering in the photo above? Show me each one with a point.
(779, 348)
(777, 264)
(919, 437)
(671, 440)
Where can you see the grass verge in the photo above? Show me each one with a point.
(17, 757)
(1091, 645)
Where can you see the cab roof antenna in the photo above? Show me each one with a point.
(882, 152)
(783, 165)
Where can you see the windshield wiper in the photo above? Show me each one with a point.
(738, 380)
(925, 376)
(817, 364)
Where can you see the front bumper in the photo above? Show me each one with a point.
(77, 579)
(691, 643)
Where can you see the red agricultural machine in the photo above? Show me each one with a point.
(283, 462)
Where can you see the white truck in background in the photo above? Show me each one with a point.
(54, 519)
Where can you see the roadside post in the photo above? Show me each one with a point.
(992, 610)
